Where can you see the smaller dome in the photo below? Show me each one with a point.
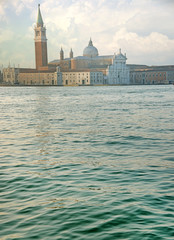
(90, 50)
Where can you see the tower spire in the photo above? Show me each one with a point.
(90, 42)
(40, 42)
(39, 18)
(61, 54)
(71, 54)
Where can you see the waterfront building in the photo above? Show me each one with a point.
(10, 75)
(88, 69)
(170, 76)
(149, 77)
(112, 67)
(27, 76)
(118, 72)
(37, 78)
(82, 77)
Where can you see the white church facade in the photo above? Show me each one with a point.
(118, 72)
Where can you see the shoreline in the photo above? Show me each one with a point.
(7, 85)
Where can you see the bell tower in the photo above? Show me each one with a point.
(40, 42)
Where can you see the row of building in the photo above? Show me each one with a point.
(88, 69)
(19, 76)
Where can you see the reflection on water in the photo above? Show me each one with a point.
(87, 162)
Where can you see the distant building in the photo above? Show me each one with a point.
(170, 76)
(118, 72)
(83, 77)
(152, 75)
(37, 78)
(88, 69)
(113, 67)
(10, 75)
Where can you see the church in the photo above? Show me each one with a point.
(113, 67)
(88, 69)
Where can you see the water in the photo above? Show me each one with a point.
(87, 163)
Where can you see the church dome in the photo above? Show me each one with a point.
(90, 50)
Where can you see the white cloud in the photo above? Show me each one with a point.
(144, 29)
(6, 35)
(3, 6)
(20, 5)
(154, 48)
(17, 5)
(111, 24)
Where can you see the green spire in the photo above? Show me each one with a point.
(39, 18)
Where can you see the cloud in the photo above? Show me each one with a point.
(16, 5)
(165, 2)
(154, 48)
(3, 6)
(71, 25)
(6, 35)
(20, 5)
(143, 29)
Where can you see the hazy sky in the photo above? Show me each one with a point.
(144, 29)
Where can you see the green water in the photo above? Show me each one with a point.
(87, 163)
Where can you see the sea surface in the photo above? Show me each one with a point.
(87, 163)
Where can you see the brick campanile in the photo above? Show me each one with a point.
(40, 42)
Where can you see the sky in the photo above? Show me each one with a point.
(143, 29)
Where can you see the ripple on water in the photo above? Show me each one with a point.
(87, 163)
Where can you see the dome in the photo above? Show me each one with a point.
(90, 50)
